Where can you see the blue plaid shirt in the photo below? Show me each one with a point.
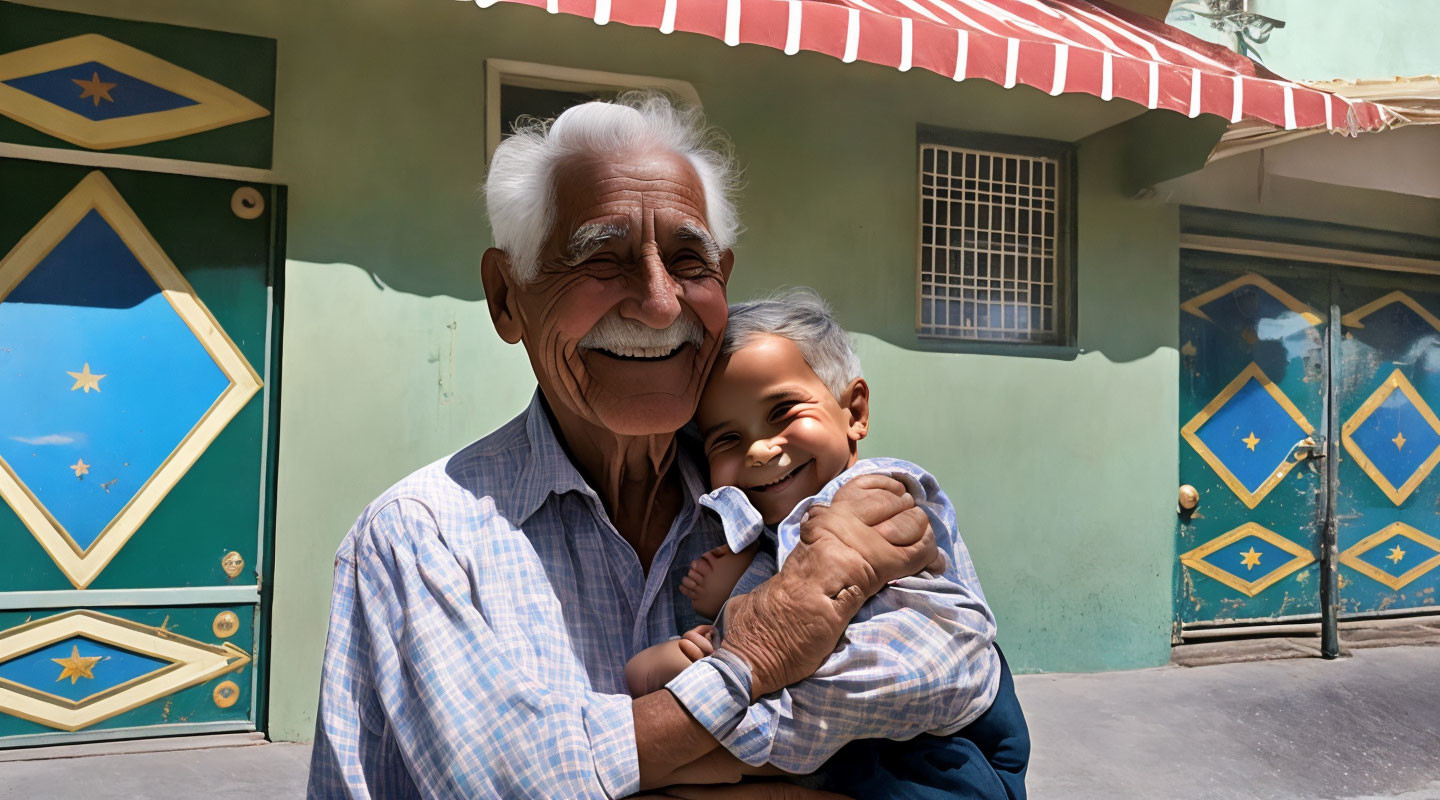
(918, 657)
(483, 612)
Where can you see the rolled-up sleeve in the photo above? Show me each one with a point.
(919, 657)
(462, 697)
(926, 666)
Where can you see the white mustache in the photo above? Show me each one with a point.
(628, 337)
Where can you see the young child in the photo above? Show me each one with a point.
(781, 419)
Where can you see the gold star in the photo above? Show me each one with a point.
(1188, 349)
(80, 467)
(1250, 441)
(76, 666)
(1251, 560)
(1396, 555)
(95, 89)
(1399, 441)
(85, 379)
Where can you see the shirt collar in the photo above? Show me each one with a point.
(549, 470)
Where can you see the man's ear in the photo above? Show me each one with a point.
(727, 262)
(857, 402)
(499, 294)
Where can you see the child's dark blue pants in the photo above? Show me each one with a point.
(986, 760)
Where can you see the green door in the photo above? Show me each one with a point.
(1256, 382)
(1252, 396)
(1388, 505)
(137, 348)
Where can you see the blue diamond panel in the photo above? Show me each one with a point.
(90, 302)
(1251, 306)
(1387, 558)
(38, 670)
(1396, 329)
(1252, 411)
(97, 92)
(1231, 558)
(1379, 437)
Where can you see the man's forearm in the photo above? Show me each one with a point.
(719, 766)
(779, 632)
(667, 737)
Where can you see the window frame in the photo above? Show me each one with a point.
(1066, 239)
(501, 72)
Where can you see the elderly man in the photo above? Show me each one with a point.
(484, 608)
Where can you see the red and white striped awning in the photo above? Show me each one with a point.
(1056, 46)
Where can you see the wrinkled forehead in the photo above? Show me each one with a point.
(655, 187)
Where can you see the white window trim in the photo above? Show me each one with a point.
(504, 72)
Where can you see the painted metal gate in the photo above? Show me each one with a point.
(1259, 373)
(137, 345)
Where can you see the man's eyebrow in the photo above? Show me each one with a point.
(587, 239)
(693, 232)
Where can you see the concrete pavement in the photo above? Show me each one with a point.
(1364, 727)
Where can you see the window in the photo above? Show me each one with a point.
(996, 248)
(514, 89)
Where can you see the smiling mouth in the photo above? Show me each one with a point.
(779, 483)
(640, 353)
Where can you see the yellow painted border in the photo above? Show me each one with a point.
(215, 105)
(1396, 380)
(1195, 559)
(192, 662)
(1249, 498)
(1351, 557)
(1196, 303)
(1352, 320)
(96, 192)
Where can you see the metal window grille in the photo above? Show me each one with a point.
(991, 246)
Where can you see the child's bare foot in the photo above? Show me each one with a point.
(713, 576)
(650, 669)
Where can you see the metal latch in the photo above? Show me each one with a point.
(1309, 447)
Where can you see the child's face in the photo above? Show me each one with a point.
(771, 427)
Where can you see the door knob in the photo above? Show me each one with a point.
(1189, 498)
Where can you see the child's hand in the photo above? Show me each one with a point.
(712, 577)
(698, 642)
(650, 669)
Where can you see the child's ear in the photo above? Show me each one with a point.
(856, 401)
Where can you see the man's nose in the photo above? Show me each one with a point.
(761, 452)
(656, 300)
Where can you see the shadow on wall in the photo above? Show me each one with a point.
(416, 218)
(1125, 274)
(398, 192)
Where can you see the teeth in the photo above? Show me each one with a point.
(642, 352)
(779, 479)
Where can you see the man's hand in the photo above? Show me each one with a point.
(876, 517)
(870, 534)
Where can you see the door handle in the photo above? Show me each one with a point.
(1309, 447)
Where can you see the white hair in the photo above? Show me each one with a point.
(804, 318)
(520, 186)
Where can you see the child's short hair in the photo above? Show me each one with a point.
(801, 316)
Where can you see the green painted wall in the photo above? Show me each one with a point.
(1327, 39)
(1063, 468)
